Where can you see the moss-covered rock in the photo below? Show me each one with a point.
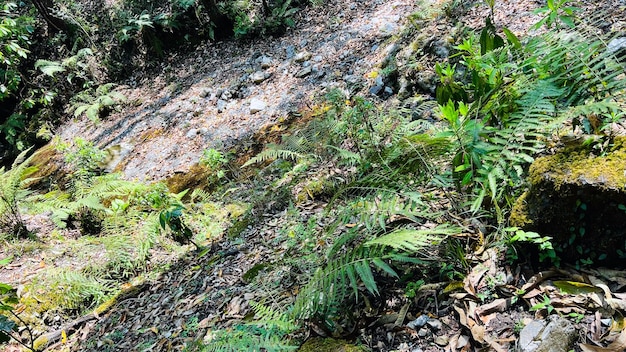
(329, 345)
(580, 200)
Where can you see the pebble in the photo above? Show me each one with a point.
(434, 324)
(192, 133)
(290, 51)
(419, 322)
(304, 72)
(258, 77)
(221, 105)
(423, 332)
(257, 105)
(302, 56)
(442, 340)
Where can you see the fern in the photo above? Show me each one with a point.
(273, 152)
(340, 278)
(13, 192)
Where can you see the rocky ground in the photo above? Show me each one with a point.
(220, 95)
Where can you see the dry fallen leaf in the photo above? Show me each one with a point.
(619, 345)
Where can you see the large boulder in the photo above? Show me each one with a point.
(579, 198)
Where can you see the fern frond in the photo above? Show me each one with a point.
(273, 152)
(409, 240)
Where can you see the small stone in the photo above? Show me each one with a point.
(442, 340)
(616, 45)
(304, 72)
(375, 90)
(221, 105)
(205, 93)
(192, 133)
(302, 56)
(258, 77)
(423, 332)
(606, 322)
(419, 322)
(257, 105)
(317, 58)
(290, 51)
(434, 324)
(266, 62)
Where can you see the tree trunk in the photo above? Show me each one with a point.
(55, 24)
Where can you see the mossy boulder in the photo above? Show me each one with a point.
(329, 345)
(579, 199)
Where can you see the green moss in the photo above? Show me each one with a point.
(329, 345)
(578, 166)
(519, 212)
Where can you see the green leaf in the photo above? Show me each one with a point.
(49, 68)
(6, 325)
(575, 288)
(384, 267)
(365, 273)
(4, 288)
(512, 38)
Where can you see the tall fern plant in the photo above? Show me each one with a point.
(13, 192)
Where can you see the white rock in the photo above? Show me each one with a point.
(257, 105)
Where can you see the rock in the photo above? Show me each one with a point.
(419, 322)
(264, 61)
(258, 77)
(257, 105)
(578, 199)
(617, 46)
(290, 51)
(376, 90)
(304, 72)
(423, 332)
(192, 133)
(302, 56)
(442, 340)
(558, 335)
(434, 324)
(221, 105)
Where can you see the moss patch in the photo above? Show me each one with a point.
(577, 166)
(578, 198)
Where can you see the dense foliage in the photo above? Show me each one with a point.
(399, 192)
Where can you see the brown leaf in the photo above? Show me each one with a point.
(619, 345)
(499, 305)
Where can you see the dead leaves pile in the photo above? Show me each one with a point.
(594, 299)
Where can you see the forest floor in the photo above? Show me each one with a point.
(220, 96)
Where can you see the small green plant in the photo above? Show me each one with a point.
(556, 14)
(546, 250)
(578, 317)
(412, 288)
(545, 304)
(215, 161)
(96, 103)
